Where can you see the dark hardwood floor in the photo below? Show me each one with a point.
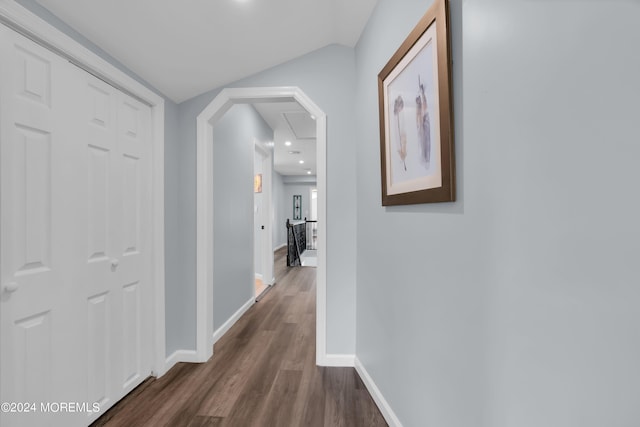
(263, 373)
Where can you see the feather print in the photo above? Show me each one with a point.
(423, 123)
(398, 106)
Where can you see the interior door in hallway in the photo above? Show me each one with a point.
(40, 303)
(259, 220)
(74, 262)
(116, 256)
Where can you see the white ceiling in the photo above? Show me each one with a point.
(186, 47)
(291, 122)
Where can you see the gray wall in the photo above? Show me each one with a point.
(279, 212)
(517, 305)
(233, 155)
(178, 307)
(303, 190)
(180, 313)
(284, 189)
(327, 76)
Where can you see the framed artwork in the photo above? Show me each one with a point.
(257, 183)
(416, 118)
(297, 207)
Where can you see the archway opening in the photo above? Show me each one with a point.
(205, 201)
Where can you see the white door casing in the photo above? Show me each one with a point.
(266, 215)
(313, 204)
(258, 213)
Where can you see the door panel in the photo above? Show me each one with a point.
(99, 349)
(33, 357)
(98, 201)
(131, 334)
(34, 75)
(32, 199)
(131, 205)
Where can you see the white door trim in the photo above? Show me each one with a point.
(266, 251)
(23, 21)
(205, 121)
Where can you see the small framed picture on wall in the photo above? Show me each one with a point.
(297, 207)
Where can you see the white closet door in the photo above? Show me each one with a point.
(98, 223)
(75, 303)
(39, 303)
(117, 291)
(133, 200)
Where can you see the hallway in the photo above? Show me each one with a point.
(263, 373)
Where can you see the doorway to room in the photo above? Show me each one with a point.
(309, 258)
(205, 201)
(261, 220)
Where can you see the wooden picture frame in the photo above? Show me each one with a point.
(416, 115)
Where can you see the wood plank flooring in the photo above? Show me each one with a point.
(263, 373)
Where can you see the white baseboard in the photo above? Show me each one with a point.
(337, 360)
(279, 247)
(374, 391)
(232, 320)
(177, 356)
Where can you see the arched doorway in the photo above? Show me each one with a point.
(205, 200)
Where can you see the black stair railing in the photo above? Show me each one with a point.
(312, 234)
(296, 242)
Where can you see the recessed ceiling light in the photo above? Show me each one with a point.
(301, 162)
(308, 172)
(287, 143)
(313, 117)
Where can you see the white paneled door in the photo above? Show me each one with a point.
(75, 309)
